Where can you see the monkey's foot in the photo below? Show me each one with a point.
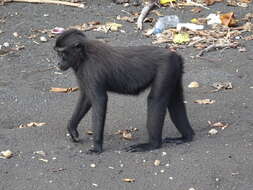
(73, 134)
(142, 147)
(93, 151)
(179, 140)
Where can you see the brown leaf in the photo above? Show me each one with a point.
(228, 19)
(64, 90)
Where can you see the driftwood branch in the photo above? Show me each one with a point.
(79, 5)
(144, 13)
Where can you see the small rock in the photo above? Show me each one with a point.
(157, 162)
(213, 132)
(6, 44)
(193, 84)
(6, 154)
(93, 165)
(43, 39)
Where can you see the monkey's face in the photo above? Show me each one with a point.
(64, 62)
(69, 57)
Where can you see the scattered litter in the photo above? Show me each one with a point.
(127, 133)
(40, 152)
(6, 154)
(204, 101)
(213, 19)
(189, 26)
(57, 30)
(165, 22)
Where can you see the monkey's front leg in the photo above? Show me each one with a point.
(99, 106)
(82, 107)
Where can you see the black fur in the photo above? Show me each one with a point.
(100, 68)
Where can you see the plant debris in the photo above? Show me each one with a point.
(63, 90)
(221, 85)
(221, 125)
(127, 133)
(31, 124)
(204, 101)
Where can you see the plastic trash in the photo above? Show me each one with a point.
(170, 21)
(190, 26)
(213, 19)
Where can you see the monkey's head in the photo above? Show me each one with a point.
(70, 47)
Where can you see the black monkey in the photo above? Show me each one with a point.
(100, 68)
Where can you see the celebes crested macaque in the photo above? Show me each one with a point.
(100, 68)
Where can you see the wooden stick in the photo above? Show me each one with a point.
(79, 5)
(144, 13)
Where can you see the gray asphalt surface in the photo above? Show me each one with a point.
(223, 161)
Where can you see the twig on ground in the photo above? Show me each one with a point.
(79, 5)
(217, 46)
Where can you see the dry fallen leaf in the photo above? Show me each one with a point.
(181, 38)
(114, 27)
(218, 124)
(6, 154)
(228, 19)
(129, 180)
(204, 101)
(64, 90)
